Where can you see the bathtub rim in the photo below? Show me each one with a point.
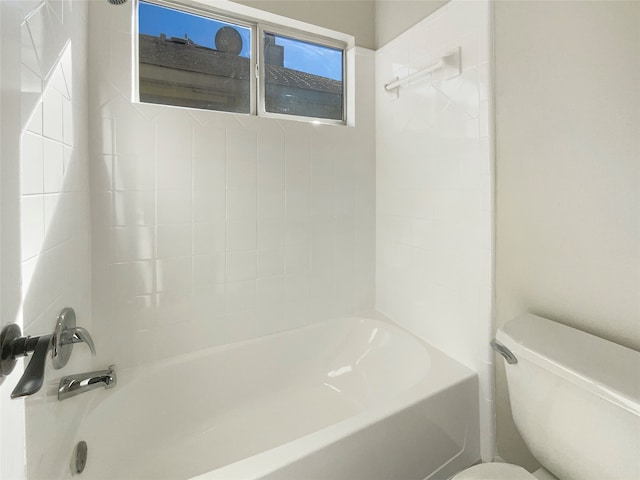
(132, 373)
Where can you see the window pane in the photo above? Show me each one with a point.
(303, 78)
(193, 61)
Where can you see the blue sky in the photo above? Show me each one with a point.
(298, 55)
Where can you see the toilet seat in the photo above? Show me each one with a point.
(494, 471)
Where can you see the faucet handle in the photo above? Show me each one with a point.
(60, 342)
(33, 376)
(77, 335)
(65, 335)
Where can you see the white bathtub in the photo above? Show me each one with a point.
(352, 398)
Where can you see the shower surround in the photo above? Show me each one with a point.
(434, 199)
(221, 227)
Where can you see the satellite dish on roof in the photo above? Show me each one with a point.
(228, 40)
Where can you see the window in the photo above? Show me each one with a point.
(191, 60)
(198, 59)
(307, 81)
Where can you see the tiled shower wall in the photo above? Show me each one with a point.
(54, 208)
(210, 228)
(434, 222)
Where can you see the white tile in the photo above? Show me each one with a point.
(174, 240)
(297, 258)
(174, 153)
(484, 119)
(240, 296)
(174, 274)
(133, 243)
(241, 266)
(132, 279)
(271, 161)
(146, 353)
(321, 257)
(32, 214)
(241, 235)
(321, 287)
(296, 288)
(29, 56)
(428, 192)
(209, 238)
(56, 216)
(483, 81)
(133, 133)
(241, 205)
(121, 62)
(52, 115)
(209, 206)
(76, 175)
(48, 36)
(298, 158)
(102, 254)
(35, 124)
(209, 270)
(56, 260)
(53, 160)
(209, 158)
(58, 81)
(134, 208)
(298, 203)
(31, 164)
(33, 294)
(270, 292)
(241, 159)
(250, 184)
(344, 201)
(322, 167)
(209, 301)
(30, 90)
(271, 204)
(271, 262)
(67, 69)
(101, 171)
(271, 233)
(138, 312)
(134, 172)
(102, 209)
(174, 206)
(67, 121)
(321, 202)
(298, 230)
(107, 136)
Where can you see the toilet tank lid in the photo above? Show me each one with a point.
(607, 369)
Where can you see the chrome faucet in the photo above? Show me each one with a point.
(60, 342)
(83, 382)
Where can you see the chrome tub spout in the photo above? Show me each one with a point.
(83, 382)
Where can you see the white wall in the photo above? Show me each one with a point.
(210, 227)
(434, 190)
(12, 434)
(48, 62)
(568, 173)
(354, 17)
(394, 17)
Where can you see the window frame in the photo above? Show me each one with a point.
(257, 26)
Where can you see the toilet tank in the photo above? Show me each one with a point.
(575, 399)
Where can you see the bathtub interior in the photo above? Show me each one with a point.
(210, 411)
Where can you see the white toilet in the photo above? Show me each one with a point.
(575, 399)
